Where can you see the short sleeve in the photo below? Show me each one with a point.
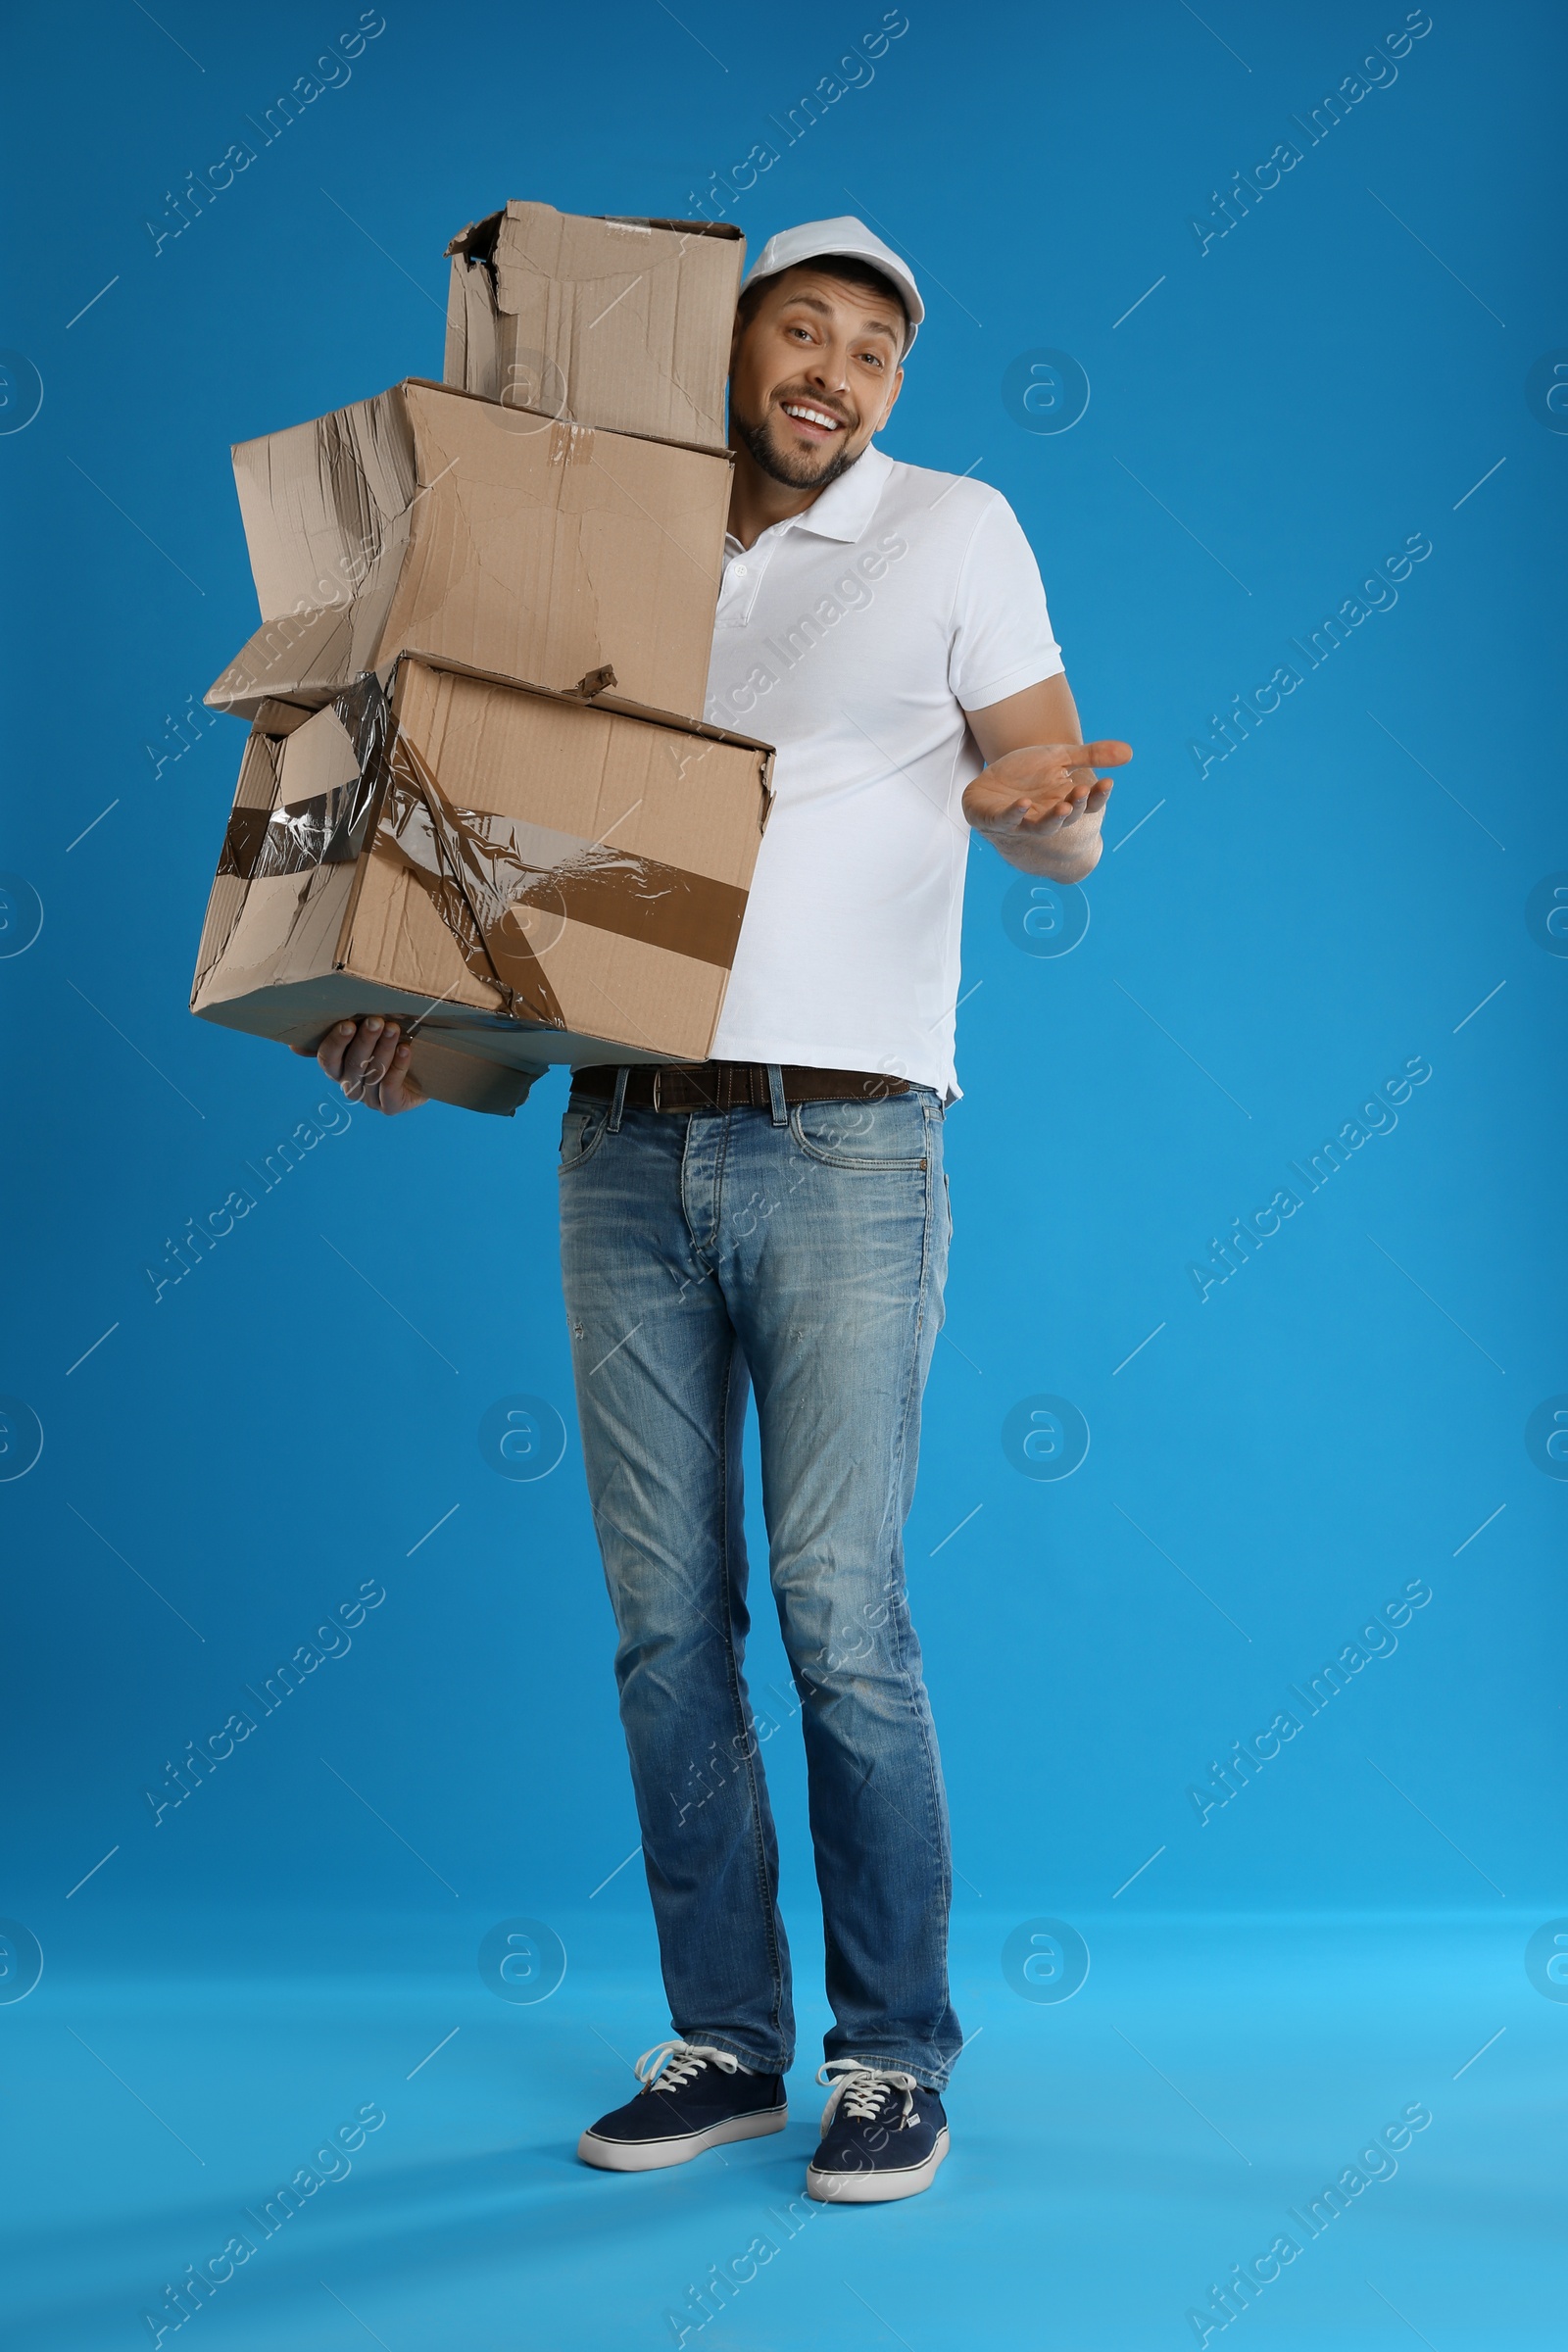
(1001, 638)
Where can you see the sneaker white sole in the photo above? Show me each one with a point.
(875, 2188)
(653, 2155)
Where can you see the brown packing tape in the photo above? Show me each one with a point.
(638, 898)
(663, 905)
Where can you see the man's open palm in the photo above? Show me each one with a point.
(1043, 786)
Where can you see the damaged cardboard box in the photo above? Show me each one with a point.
(623, 323)
(429, 517)
(522, 877)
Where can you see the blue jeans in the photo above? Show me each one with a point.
(799, 1253)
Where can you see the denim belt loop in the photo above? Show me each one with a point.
(618, 1101)
(775, 1094)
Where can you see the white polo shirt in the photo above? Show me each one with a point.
(855, 637)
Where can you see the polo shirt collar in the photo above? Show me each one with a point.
(846, 506)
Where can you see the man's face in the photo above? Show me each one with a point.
(814, 375)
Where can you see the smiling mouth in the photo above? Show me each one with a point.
(817, 424)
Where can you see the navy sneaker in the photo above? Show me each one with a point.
(692, 2097)
(882, 2135)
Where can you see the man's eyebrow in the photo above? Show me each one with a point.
(814, 302)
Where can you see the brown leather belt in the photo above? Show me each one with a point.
(730, 1085)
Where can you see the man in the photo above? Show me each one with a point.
(776, 1219)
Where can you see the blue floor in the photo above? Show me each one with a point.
(1114, 2154)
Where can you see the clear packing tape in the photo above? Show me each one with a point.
(480, 868)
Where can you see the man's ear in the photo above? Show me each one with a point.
(898, 387)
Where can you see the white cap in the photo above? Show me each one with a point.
(818, 240)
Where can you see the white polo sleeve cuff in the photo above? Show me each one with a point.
(1029, 673)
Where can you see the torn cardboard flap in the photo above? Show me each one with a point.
(614, 323)
(525, 876)
(533, 549)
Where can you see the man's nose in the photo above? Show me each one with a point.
(830, 367)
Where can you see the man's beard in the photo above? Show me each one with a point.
(795, 472)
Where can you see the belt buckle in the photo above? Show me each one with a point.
(658, 1075)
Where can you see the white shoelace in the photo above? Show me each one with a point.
(671, 2065)
(865, 2090)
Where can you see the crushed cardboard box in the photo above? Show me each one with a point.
(624, 323)
(521, 876)
(534, 549)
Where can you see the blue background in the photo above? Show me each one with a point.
(1267, 943)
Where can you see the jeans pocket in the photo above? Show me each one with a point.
(582, 1131)
(888, 1135)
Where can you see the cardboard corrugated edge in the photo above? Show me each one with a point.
(699, 449)
(521, 407)
(600, 699)
(477, 242)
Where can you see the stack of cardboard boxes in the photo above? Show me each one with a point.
(478, 795)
